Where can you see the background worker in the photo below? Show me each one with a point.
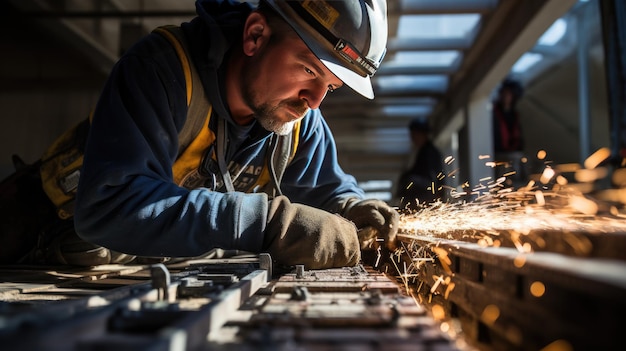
(508, 141)
(265, 72)
(419, 185)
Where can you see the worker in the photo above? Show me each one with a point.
(508, 142)
(265, 71)
(507, 134)
(420, 185)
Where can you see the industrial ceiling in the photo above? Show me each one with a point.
(440, 52)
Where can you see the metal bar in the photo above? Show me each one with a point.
(198, 326)
(501, 293)
(447, 6)
(282, 314)
(107, 14)
(613, 13)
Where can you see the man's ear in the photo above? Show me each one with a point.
(256, 33)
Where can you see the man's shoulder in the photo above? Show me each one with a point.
(153, 46)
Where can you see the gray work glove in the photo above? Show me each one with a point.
(374, 219)
(300, 234)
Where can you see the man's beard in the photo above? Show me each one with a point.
(266, 116)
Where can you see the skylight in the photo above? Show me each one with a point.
(551, 37)
(407, 110)
(526, 61)
(426, 58)
(437, 26)
(422, 82)
(554, 33)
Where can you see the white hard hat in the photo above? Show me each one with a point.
(348, 36)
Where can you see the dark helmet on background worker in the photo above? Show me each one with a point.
(419, 124)
(513, 86)
(349, 37)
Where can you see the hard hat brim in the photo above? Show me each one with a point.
(358, 83)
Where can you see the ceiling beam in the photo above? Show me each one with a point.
(87, 44)
(97, 14)
(420, 7)
(347, 98)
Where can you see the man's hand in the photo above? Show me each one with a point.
(299, 234)
(374, 219)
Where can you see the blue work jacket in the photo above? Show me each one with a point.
(127, 198)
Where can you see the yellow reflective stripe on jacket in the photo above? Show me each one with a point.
(190, 160)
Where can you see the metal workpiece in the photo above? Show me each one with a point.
(194, 287)
(432, 293)
(160, 280)
(300, 293)
(265, 263)
(119, 306)
(212, 304)
(340, 309)
(299, 271)
(505, 298)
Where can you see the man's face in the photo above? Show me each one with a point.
(283, 81)
(507, 97)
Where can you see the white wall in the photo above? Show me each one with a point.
(550, 112)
